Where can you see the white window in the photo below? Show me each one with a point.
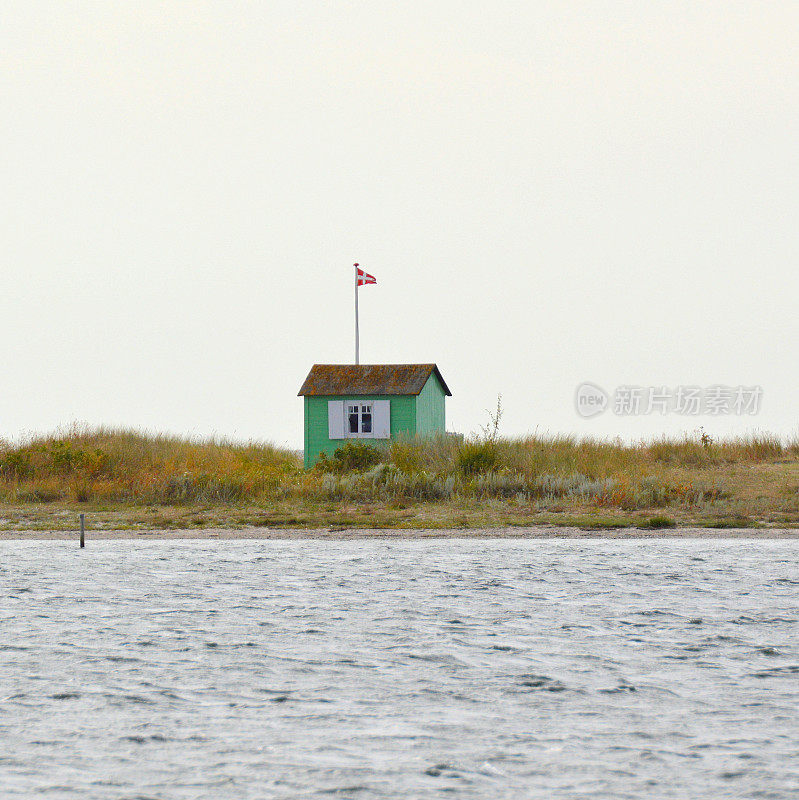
(356, 419)
(359, 420)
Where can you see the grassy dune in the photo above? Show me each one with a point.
(128, 479)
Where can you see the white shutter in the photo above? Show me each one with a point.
(335, 419)
(381, 419)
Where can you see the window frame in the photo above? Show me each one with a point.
(359, 408)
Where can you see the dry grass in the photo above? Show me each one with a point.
(106, 465)
(165, 481)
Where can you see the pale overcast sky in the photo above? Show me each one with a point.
(548, 193)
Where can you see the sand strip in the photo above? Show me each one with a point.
(335, 534)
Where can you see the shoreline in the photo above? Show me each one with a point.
(326, 534)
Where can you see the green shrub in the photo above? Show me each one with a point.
(656, 523)
(350, 457)
(38, 494)
(62, 456)
(476, 457)
(407, 454)
(16, 465)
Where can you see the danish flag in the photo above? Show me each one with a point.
(364, 277)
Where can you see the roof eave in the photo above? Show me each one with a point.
(441, 380)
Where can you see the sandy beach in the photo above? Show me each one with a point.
(409, 533)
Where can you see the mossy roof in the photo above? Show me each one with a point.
(348, 379)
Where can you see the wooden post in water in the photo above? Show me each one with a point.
(82, 530)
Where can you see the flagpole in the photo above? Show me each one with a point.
(356, 314)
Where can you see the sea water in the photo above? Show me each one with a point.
(399, 669)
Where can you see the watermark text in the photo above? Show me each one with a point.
(591, 400)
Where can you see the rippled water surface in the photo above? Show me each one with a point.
(368, 669)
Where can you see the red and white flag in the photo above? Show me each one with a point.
(361, 279)
(364, 277)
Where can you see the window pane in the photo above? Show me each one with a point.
(366, 423)
(353, 423)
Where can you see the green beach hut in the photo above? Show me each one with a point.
(370, 402)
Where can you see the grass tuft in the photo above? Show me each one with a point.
(658, 522)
